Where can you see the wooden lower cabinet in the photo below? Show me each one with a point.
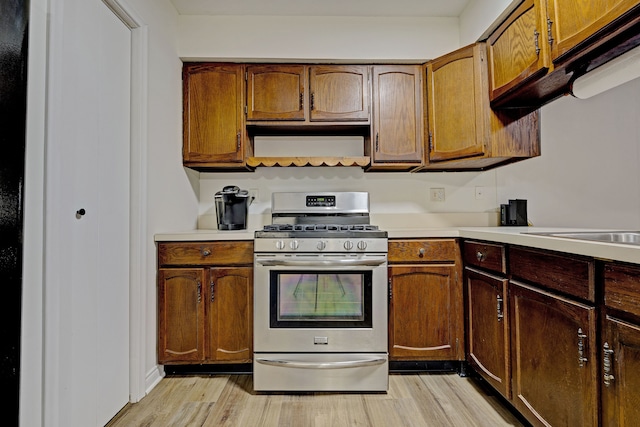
(181, 313)
(205, 302)
(619, 374)
(488, 328)
(425, 301)
(554, 363)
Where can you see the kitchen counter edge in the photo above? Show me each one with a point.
(509, 235)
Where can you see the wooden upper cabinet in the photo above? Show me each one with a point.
(275, 92)
(339, 92)
(396, 134)
(302, 93)
(518, 49)
(213, 120)
(464, 133)
(455, 105)
(573, 22)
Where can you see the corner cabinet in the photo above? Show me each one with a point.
(425, 300)
(464, 133)
(205, 302)
(214, 132)
(397, 130)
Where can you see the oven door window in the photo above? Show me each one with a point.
(320, 299)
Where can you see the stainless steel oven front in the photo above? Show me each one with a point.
(320, 320)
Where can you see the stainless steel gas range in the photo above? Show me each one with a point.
(320, 296)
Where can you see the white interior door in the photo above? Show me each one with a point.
(87, 222)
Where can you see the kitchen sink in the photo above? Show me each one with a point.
(624, 237)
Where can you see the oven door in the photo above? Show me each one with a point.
(320, 303)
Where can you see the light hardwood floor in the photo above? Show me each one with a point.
(229, 400)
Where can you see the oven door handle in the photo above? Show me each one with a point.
(343, 364)
(321, 263)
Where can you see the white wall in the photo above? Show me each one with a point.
(588, 174)
(280, 38)
(172, 192)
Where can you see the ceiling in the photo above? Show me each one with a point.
(416, 8)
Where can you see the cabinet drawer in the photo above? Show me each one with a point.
(427, 250)
(490, 256)
(622, 288)
(205, 253)
(572, 275)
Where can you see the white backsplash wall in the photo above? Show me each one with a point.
(589, 172)
(391, 192)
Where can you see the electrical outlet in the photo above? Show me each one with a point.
(254, 193)
(436, 194)
(480, 193)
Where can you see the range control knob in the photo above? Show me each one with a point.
(280, 244)
(362, 245)
(321, 245)
(348, 245)
(294, 244)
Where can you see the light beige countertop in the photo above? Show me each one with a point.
(510, 235)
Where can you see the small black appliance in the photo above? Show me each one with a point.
(515, 213)
(232, 207)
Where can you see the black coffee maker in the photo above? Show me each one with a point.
(232, 207)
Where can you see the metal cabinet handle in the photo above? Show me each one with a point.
(480, 256)
(311, 101)
(377, 142)
(499, 308)
(421, 252)
(549, 33)
(301, 100)
(607, 360)
(199, 291)
(205, 252)
(536, 35)
(212, 290)
(581, 348)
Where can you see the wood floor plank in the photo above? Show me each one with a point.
(413, 400)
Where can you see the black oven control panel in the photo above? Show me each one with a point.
(321, 201)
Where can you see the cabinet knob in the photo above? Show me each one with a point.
(205, 252)
(80, 213)
(480, 256)
(421, 252)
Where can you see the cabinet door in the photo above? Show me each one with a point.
(554, 364)
(181, 314)
(518, 49)
(214, 130)
(572, 22)
(275, 92)
(455, 105)
(230, 314)
(425, 313)
(397, 114)
(620, 367)
(488, 328)
(339, 93)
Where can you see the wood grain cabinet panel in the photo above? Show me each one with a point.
(488, 328)
(276, 92)
(426, 319)
(554, 362)
(339, 93)
(214, 134)
(181, 314)
(397, 130)
(464, 133)
(619, 374)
